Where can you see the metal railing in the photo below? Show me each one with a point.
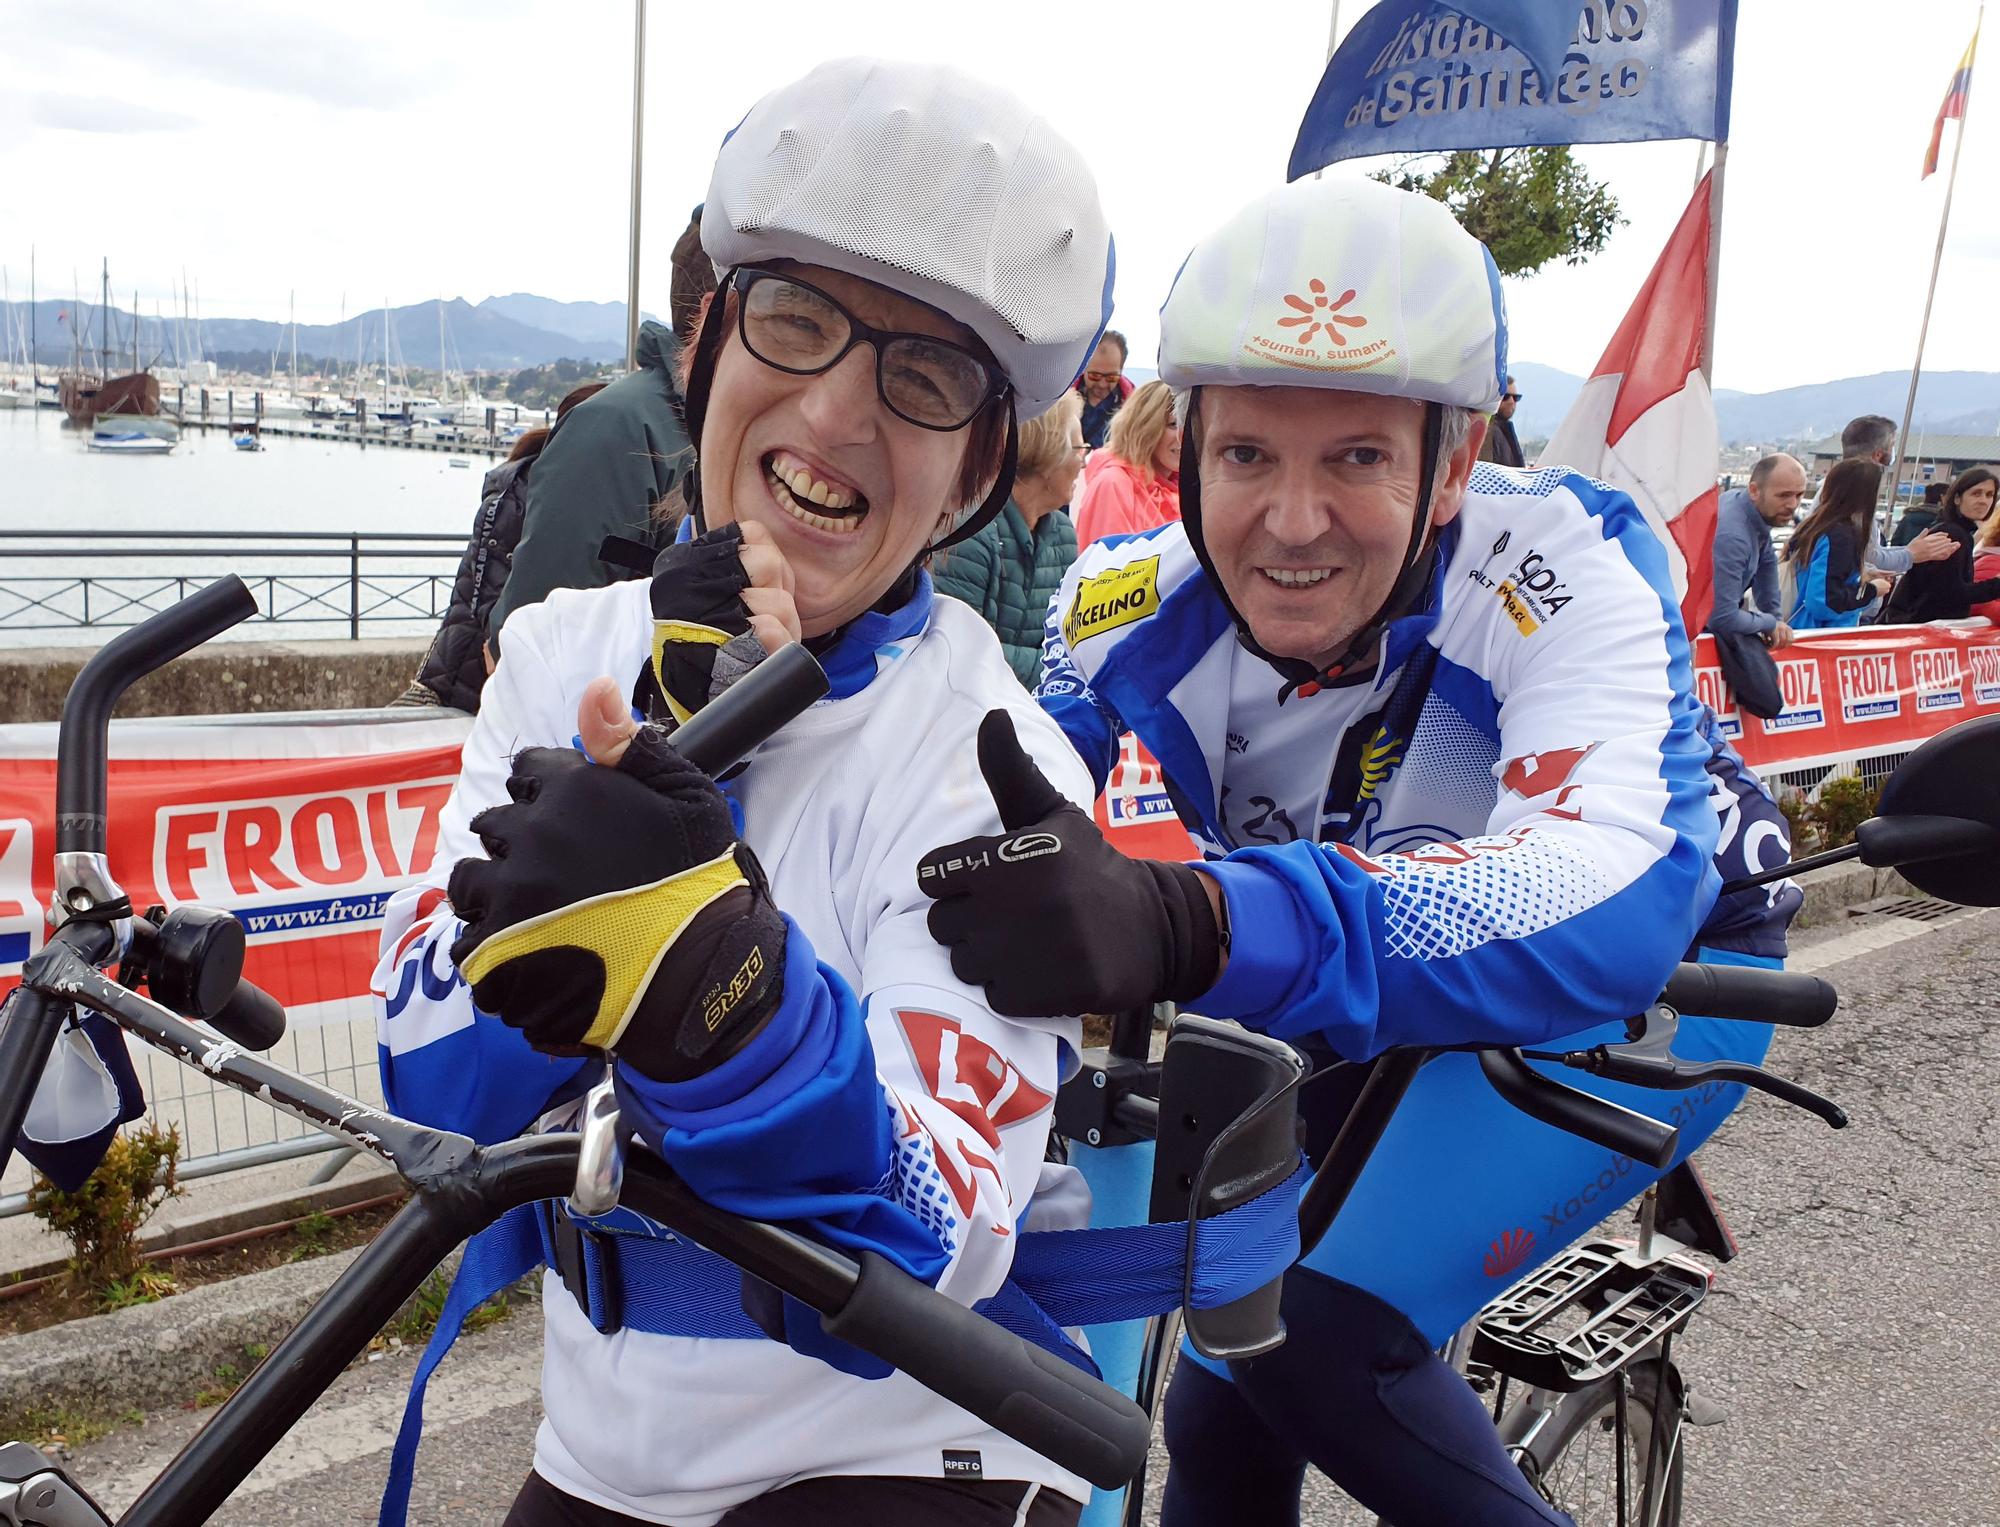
(374, 580)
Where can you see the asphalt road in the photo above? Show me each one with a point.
(1852, 1343)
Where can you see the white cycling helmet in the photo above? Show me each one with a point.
(933, 183)
(1350, 285)
(1346, 284)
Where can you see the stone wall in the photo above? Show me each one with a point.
(224, 678)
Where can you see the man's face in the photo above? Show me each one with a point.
(1307, 500)
(1507, 401)
(1100, 377)
(1778, 499)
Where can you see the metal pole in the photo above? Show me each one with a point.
(638, 136)
(354, 588)
(1332, 45)
(1714, 259)
(1937, 260)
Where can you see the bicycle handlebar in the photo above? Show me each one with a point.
(1646, 1140)
(1752, 993)
(82, 736)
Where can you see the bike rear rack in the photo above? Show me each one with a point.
(1586, 1315)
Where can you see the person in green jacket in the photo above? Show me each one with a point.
(609, 462)
(1012, 569)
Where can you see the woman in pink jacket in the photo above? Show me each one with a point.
(1134, 483)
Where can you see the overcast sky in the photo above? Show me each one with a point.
(364, 151)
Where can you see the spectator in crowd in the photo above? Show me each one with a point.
(1873, 438)
(1826, 551)
(1947, 590)
(1012, 569)
(1917, 520)
(1986, 563)
(461, 654)
(1134, 483)
(1745, 562)
(608, 466)
(1104, 387)
(1502, 446)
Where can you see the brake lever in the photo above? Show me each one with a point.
(1647, 1059)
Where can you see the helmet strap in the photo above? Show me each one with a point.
(701, 375)
(996, 496)
(1299, 675)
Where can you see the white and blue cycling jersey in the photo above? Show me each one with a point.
(885, 1105)
(1511, 829)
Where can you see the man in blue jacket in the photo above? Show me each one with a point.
(1745, 561)
(1432, 723)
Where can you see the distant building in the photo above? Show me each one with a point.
(1932, 458)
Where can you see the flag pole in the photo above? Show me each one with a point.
(1714, 260)
(638, 123)
(1332, 45)
(1937, 260)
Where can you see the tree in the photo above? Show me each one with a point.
(1528, 205)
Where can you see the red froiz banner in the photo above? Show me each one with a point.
(1135, 813)
(306, 850)
(1860, 691)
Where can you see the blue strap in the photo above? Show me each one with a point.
(1060, 1278)
(498, 1257)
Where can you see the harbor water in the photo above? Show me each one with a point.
(50, 482)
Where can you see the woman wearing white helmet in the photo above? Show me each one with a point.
(1431, 721)
(911, 262)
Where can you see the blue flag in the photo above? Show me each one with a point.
(1418, 75)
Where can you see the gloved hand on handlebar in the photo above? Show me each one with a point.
(617, 910)
(1050, 918)
(721, 601)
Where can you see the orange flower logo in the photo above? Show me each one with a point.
(1311, 316)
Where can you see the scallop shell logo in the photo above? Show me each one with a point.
(1509, 1252)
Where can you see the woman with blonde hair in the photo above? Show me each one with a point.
(1134, 483)
(1012, 569)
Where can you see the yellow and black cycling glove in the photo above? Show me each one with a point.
(617, 910)
(701, 627)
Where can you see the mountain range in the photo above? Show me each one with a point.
(522, 329)
(499, 334)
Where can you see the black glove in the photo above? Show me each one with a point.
(1050, 918)
(701, 627)
(617, 909)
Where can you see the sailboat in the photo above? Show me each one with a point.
(86, 394)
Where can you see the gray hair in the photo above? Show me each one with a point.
(1867, 435)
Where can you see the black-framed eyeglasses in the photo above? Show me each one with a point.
(792, 326)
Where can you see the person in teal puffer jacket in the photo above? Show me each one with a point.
(1012, 569)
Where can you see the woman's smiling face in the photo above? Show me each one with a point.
(851, 493)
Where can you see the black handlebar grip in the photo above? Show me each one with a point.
(252, 1018)
(1646, 1140)
(1017, 1388)
(727, 729)
(1751, 993)
(1890, 841)
(82, 737)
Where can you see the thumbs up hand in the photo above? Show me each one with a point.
(1049, 918)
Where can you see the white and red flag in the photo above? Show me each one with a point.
(1645, 421)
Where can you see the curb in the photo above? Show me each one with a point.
(1830, 893)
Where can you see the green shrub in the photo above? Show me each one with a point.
(102, 1219)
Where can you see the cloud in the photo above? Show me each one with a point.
(101, 114)
(296, 55)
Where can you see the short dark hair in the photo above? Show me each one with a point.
(1867, 435)
(1949, 513)
(1934, 494)
(1124, 350)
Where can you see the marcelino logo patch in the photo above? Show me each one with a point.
(1113, 598)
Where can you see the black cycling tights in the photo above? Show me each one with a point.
(1357, 1393)
(835, 1500)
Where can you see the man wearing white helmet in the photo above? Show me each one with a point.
(911, 262)
(1432, 722)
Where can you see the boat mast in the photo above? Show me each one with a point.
(292, 314)
(34, 337)
(104, 319)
